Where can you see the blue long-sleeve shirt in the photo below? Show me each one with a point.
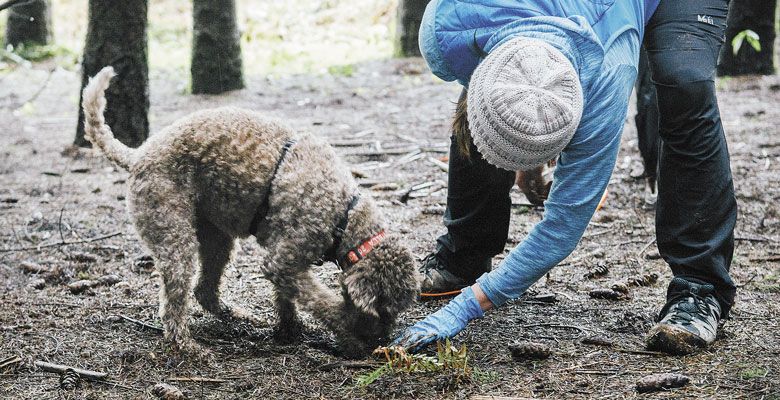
(602, 40)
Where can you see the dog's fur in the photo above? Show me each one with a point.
(195, 187)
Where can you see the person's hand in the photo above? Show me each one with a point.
(443, 324)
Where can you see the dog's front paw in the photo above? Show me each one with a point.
(187, 352)
(288, 333)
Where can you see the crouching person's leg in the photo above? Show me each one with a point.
(477, 216)
(696, 210)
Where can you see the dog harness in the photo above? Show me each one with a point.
(262, 210)
(353, 255)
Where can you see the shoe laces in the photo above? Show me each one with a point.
(684, 312)
(431, 261)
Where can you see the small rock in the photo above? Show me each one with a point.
(653, 255)
(653, 383)
(114, 319)
(154, 274)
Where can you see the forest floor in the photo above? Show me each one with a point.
(62, 213)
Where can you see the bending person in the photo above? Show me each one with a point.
(553, 80)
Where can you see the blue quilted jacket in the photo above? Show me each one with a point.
(456, 34)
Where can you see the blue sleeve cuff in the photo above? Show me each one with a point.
(470, 304)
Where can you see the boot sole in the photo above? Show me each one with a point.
(675, 341)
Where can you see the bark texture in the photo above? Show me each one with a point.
(216, 47)
(410, 13)
(116, 36)
(29, 24)
(758, 16)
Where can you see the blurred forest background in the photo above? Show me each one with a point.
(277, 37)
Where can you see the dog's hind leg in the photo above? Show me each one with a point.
(215, 248)
(164, 218)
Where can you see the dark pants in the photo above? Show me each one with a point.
(646, 120)
(477, 214)
(696, 209)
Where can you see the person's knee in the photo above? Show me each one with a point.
(689, 107)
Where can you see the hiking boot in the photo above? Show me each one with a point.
(436, 280)
(688, 321)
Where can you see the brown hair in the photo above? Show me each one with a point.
(460, 126)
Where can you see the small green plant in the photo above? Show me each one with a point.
(753, 372)
(747, 35)
(369, 378)
(448, 359)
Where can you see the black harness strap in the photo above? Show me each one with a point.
(262, 210)
(338, 234)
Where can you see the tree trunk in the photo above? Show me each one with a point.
(410, 14)
(758, 16)
(29, 24)
(116, 36)
(216, 47)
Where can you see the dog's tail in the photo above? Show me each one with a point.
(95, 128)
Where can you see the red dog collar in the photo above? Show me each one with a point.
(360, 251)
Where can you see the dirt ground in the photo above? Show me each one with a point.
(49, 196)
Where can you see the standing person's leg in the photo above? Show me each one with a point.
(646, 120)
(477, 219)
(696, 209)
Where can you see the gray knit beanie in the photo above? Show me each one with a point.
(524, 104)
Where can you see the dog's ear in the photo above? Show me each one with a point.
(385, 283)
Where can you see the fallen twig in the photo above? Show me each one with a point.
(384, 152)
(349, 365)
(644, 248)
(9, 361)
(441, 164)
(641, 352)
(751, 239)
(775, 257)
(40, 89)
(140, 323)
(577, 328)
(197, 379)
(59, 369)
(61, 243)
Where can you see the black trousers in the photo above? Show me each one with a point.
(646, 119)
(696, 209)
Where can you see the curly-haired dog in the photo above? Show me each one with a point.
(222, 174)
